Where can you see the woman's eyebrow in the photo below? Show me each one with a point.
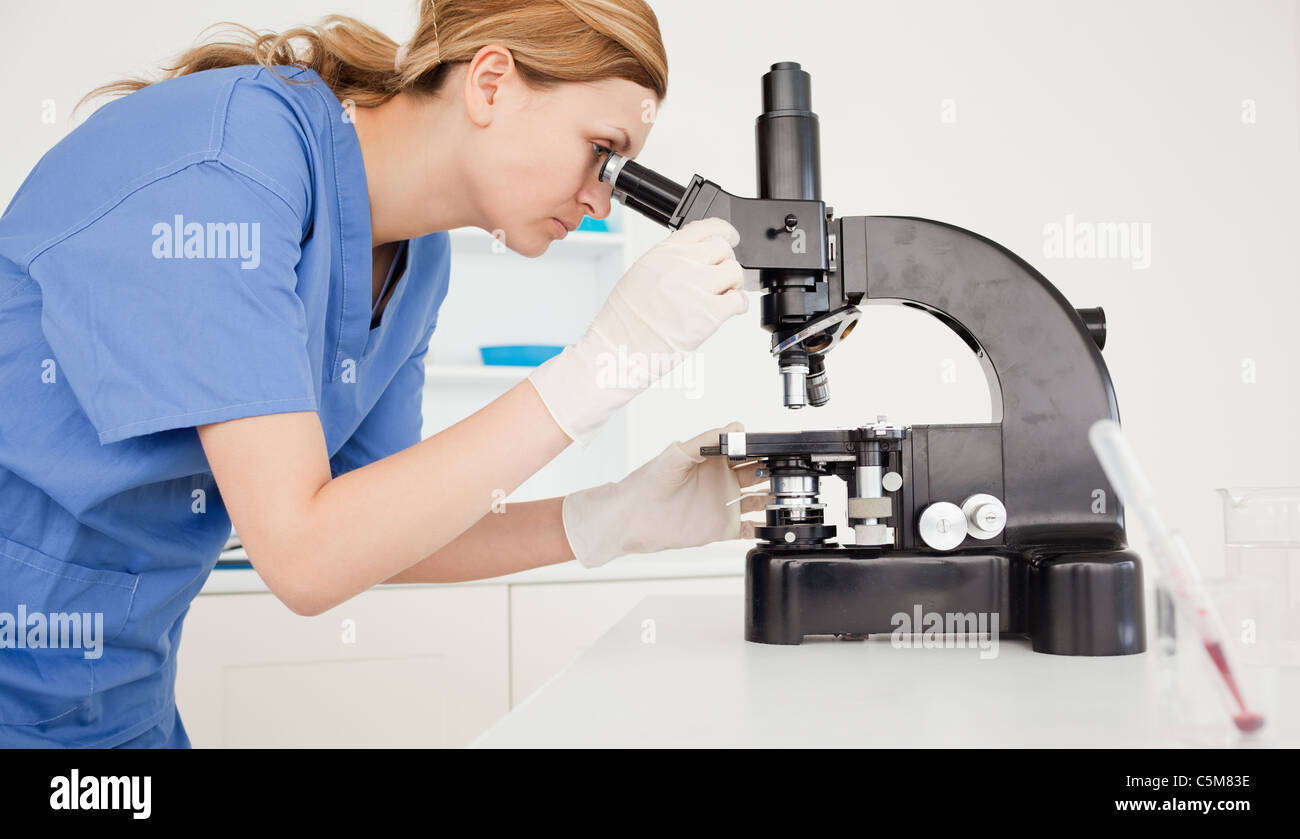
(627, 141)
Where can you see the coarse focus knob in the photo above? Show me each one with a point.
(942, 526)
(985, 515)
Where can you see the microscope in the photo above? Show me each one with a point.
(1013, 518)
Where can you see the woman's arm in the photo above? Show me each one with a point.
(318, 541)
(524, 535)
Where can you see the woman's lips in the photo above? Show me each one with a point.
(560, 230)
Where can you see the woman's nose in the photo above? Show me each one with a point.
(596, 195)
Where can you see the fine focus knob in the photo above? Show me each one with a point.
(942, 526)
(985, 515)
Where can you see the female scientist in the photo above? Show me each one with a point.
(216, 295)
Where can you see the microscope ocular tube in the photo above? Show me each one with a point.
(642, 189)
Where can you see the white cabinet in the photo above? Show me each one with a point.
(395, 666)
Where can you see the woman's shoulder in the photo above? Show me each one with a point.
(243, 118)
(271, 125)
(278, 127)
(246, 108)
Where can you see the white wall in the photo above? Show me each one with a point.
(1110, 111)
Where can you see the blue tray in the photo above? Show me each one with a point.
(518, 355)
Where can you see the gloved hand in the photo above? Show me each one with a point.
(674, 297)
(677, 500)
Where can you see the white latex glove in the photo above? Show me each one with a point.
(677, 500)
(674, 297)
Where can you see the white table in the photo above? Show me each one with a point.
(699, 683)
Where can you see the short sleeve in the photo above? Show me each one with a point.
(393, 424)
(179, 305)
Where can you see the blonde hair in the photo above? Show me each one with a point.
(552, 41)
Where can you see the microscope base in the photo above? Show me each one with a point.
(1067, 601)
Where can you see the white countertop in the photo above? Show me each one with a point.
(700, 683)
(720, 559)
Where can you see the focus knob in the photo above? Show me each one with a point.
(985, 515)
(942, 526)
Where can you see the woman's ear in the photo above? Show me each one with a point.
(489, 77)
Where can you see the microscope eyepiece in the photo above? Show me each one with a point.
(642, 189)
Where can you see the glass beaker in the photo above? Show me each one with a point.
(1197, 705)
(1261, 534)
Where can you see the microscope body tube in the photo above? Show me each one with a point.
(787, 136)
(788, 147)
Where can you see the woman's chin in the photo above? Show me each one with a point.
(531, 246)
(537, 248)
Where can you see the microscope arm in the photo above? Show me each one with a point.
(1042, 358)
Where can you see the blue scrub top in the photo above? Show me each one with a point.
(194, 252)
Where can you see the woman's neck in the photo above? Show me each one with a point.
(414, 173)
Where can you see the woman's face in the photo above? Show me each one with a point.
(538, 160)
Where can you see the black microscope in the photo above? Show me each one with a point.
(1012, 517)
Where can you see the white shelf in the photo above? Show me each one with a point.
(577, 243)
